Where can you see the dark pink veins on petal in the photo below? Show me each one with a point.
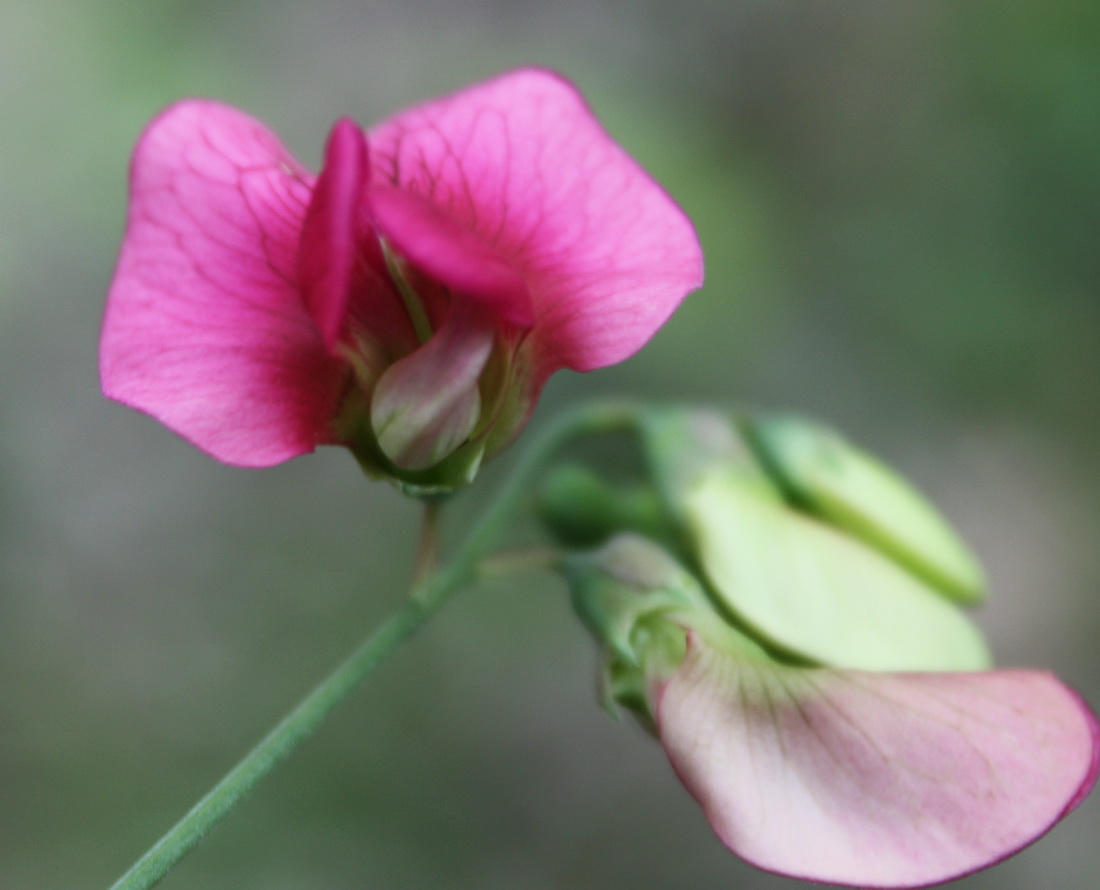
(450, 253)
(520, 163)
(205, 327)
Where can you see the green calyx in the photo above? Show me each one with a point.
(640, 604)
(454, 471)
(424, 408)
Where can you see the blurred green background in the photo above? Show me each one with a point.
(899, 204)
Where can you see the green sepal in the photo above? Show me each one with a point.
(641, 605)
(638, 603)
(581, 510)
(839, 483)
(616, 587)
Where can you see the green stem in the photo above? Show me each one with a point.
(427, 597)
(283, 739)
(512, 562)
(427, 551)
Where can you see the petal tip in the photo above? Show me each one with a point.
(889, 780)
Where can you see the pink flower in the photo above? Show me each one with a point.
(410, 301)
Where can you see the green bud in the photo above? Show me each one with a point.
(582, 510)
(839, 483)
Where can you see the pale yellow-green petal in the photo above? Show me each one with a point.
(814, 591)
(853, 491)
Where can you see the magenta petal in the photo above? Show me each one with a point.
(452, 255)
(875, 780)
(521, 164)
(205, 327)
(328, 243)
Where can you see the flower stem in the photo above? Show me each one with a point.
(527, 559)
(427, 551)
(283, 739)
(429, 593)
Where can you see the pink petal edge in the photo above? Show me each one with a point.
(521, 164)
(329, 246)
(447, 252)
(876, 780)
(205, 328)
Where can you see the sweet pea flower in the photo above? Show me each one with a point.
(410, 301)
(803, 662)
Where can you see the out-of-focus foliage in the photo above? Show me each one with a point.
(898, 203)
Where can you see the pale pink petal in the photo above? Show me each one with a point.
(328, 251)
(205, 326)
(427, 404)
(875, 780)
(521, 165)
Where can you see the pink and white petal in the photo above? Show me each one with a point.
(427, 404)
(205, 327)
(521, 163)
(875, 780)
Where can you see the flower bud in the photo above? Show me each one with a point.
(580, 509)
(802, 584)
